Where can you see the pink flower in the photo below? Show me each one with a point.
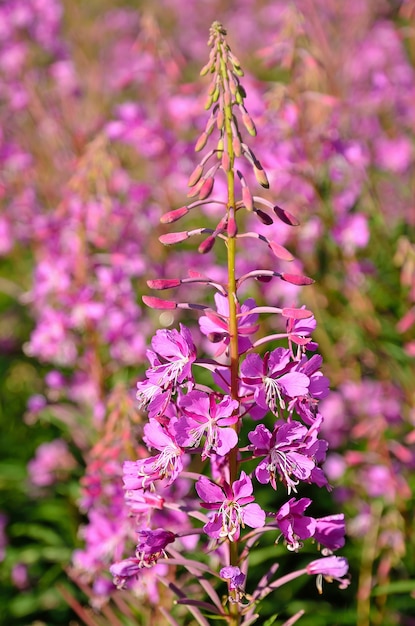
(234, 504)
(293, 524)
(331, 568)
(288, 454)
(171, 358)
(202, 416)
(273, 380)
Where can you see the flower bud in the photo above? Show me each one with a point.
(249, 124)
(280, 251)
(261, 176)
(158, 303)
(247, 198)
(173, 216)
(195, 175)
(206, 188)
(207, 244)
(163, 283)
(201, 142)
(171, 238)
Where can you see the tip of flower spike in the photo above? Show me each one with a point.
(280, 252)
(286, 216)
(163, 283)
(171, 238)
(297, 314)
(173, 216)
(157, 303)
(296, 279)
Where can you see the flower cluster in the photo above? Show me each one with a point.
(206, 410)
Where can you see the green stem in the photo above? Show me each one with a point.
(233, 323)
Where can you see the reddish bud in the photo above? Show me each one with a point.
(285, 216)
(173, 216)
(207, 245)
(195, 175)
(163, 283)
(297, 314)
(157, 303)
(280, 251)
(296, 279)
(171, 238)
(220, 119)
(232, 227)
(206, 188)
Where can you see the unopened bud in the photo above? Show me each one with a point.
(195, 175)
(220, 119)
(264, 217)
(207, 245)
(158, 303)
(236, 145)
(232, 226)
(201, 142)
(173, 216)
(171, 238)
(261, 176)
(296, 279)
(206, 188)
(163, 283)
(249, 124)
(208, 102)
(206, 69)
(247, 198)
(226, 163)
(219, 148)
(280, 251)
(286, 216)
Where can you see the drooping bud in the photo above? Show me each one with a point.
(261, 176)
(286, 217)
(264, 217)
(296, 279)
(163, 283)
(207, 245)
(201, 142)
(249, 124)
(174, 216)
(171, 238)
(206, 188)
(158, 303)
(280, 251)
(195, 175)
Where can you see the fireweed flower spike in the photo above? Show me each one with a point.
(194, 432)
